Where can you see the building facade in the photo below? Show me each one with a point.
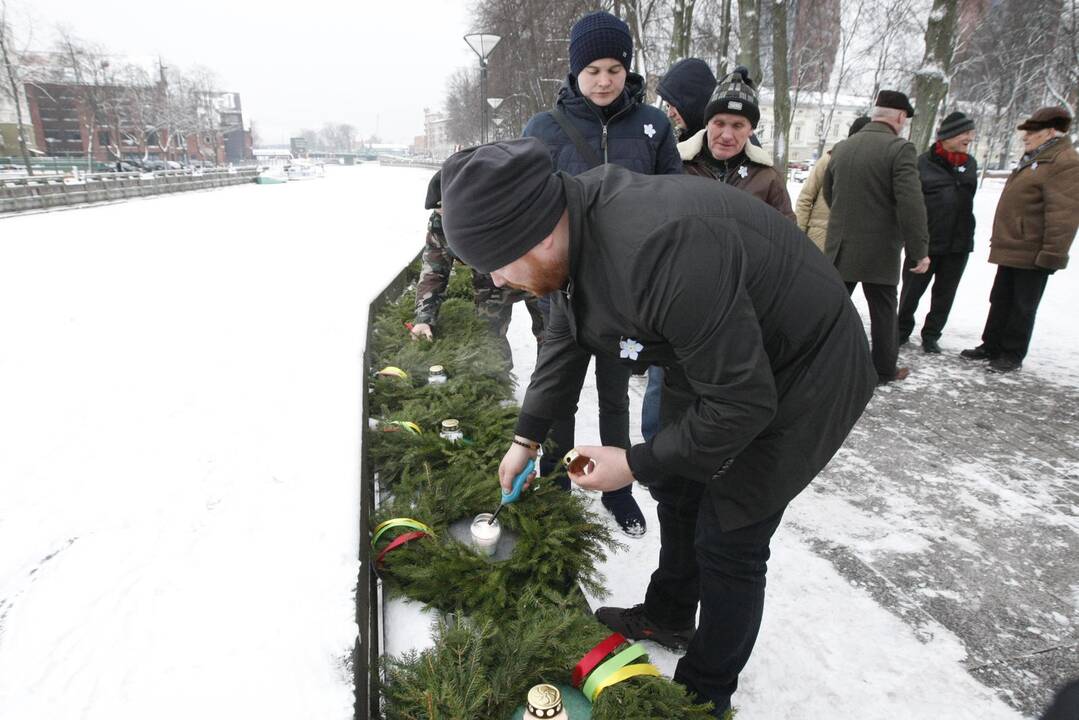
(9, 127)
(816, 123)
(137, 122)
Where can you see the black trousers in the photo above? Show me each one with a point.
(723, 571)
(612, 388)
(1013, 305)
(945, 272)
(883, 326)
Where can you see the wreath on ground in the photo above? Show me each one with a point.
(503, 626)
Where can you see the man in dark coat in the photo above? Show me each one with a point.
(767, 367)
(949, 180)
(875, 196)
(722, 150)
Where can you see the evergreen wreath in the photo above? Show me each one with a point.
(508, 625)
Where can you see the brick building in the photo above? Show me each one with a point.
(134, 122)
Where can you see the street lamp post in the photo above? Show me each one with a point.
(482, 44)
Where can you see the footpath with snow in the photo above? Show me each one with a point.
(179, 457)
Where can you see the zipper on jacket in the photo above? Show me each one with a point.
(599, 116)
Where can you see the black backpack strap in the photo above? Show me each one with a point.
(585, 150)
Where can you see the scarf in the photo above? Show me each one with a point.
(1028, 157)
(955, 159)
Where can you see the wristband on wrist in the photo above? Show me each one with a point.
(526, 444)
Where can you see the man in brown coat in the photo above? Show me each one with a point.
(722, 150)
(1033, 230)
(872, 187)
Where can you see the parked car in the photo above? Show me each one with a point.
(154, 165)
(173, 165)
(799, 171)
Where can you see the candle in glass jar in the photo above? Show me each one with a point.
(485, 534)
(436, 375)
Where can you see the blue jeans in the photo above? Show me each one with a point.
(650, 406)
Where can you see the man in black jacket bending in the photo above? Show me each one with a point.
(767, 367)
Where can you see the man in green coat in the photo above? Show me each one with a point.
(875, 195)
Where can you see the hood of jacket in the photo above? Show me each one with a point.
(689, 149)
(687, 86)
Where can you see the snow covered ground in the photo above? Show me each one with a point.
(179, 447)
(179, 451)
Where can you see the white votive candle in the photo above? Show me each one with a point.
(485, 534)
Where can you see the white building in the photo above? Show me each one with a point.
(809, 122)
(437, 142)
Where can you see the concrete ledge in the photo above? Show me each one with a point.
(28, 194)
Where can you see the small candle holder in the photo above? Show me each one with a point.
(485, 534)
(579, 464)
(436, 375)
(545, 703)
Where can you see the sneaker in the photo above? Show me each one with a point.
(979, 353)
(900, 374)
(627, 513)
(930, 345)
(634, 624)
(1004, 364)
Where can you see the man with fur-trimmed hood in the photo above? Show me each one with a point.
(722, 150)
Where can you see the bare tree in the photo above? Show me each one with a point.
(681, 31)
(1062, 76)
(1002, 71)
(931, 79)
(841, 73)
(781, 104)
(93, 84)
(749, 38)
(889, 28)
(724, 39)
(463, 115)
(13, 75)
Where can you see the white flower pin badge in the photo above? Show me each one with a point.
(962, 168)
(630, 348)
(743, 171)
(649, 130)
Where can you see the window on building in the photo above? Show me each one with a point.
(797, 132)
(104, 138)
(151, 138)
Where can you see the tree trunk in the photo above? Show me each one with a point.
(15, 95)
(724, 40)
(749, 37)
(687, 28)
(781, 108)
(677, 31)
(931, 80)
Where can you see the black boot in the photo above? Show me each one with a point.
(1004, 364)
(634, 624)
(930, 345)
(979, 353)
(627, 513)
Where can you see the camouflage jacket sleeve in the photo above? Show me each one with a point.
(435, 274)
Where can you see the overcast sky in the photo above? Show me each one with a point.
(375, 65)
